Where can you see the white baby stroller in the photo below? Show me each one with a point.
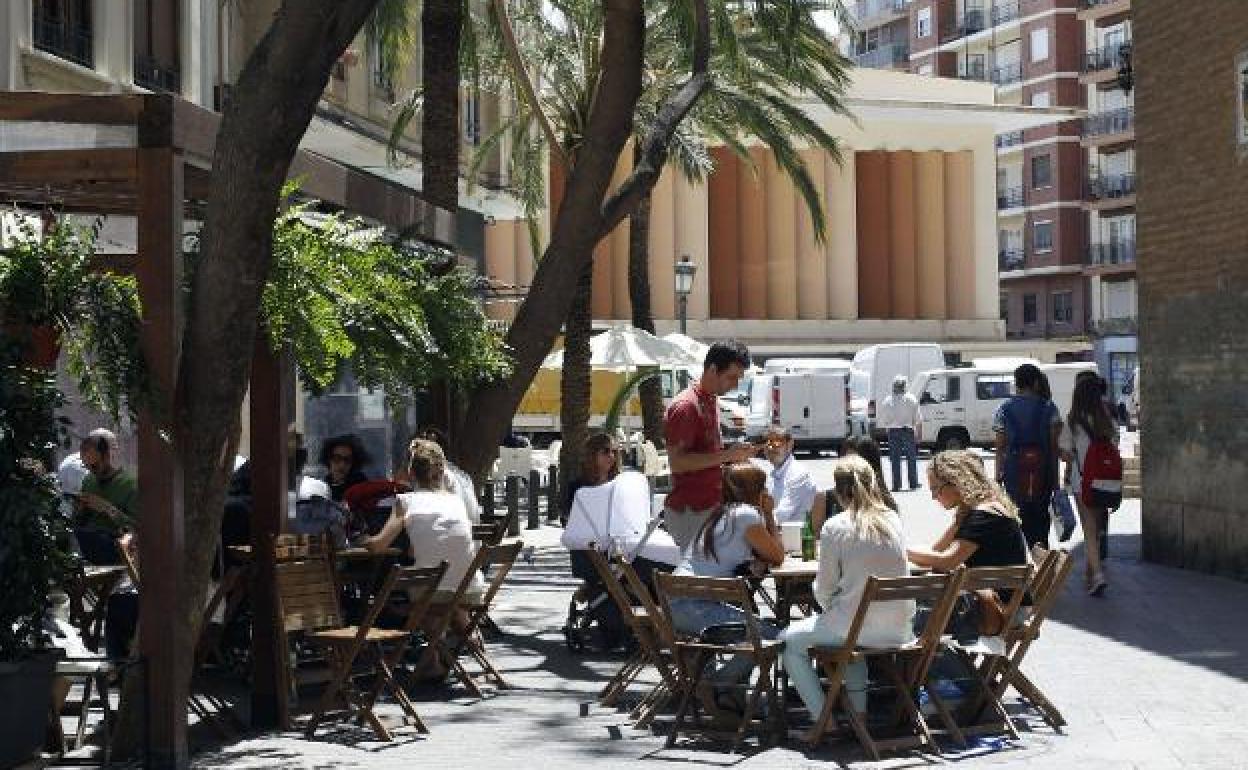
(615, 518)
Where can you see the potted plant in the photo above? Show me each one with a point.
(32, 556)
(52, 296)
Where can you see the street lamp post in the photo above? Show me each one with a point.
(685, 269)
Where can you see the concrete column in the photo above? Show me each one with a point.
(840, 194)
(113, 38)
(961, 289)
(663, 246)
(500, 263)
(930, 243)
(523, 250)
(875, 298)
(17, 33)
(1096, 308)
(812, 265)
(751, 219)
(902, 269)
(781, 244)
(692, 217)
(983, 193)
(723, 236)
(197, 32)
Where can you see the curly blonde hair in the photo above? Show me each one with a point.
(426, 463)
(964, 471)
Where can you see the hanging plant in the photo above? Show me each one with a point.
(51, 297)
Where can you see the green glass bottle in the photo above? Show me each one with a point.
(808, 539)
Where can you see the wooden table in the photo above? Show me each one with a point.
(794, 587)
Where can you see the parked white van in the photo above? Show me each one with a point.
(958, 404)
(1062, 381)
(874, 368)
(813, 406)
(782, 365)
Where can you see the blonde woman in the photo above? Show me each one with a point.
(865, 539)
(985, 531)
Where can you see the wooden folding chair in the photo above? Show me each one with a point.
(491, 533)
(500, 558)
(997, 672)
(905, 665)
(639, 621)
(349, 645)
(1004, 580)
(655, 636)
(692, 655)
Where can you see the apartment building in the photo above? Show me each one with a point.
(882, 40)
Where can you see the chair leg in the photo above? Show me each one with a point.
(1032, 693)
(689, 677)
(82, 712)
(827, 716)
(859, 725)
(906, 701)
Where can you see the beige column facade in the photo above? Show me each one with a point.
(500, 263)
(903, 272)
(930, 234)
(842, 245)
(752, 227)
(663, 255)
(960, 235)
(692, 217)
(812, 261)
(781, 255)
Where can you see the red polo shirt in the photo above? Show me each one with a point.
(692, 424)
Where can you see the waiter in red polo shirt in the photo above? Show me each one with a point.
(694, 448)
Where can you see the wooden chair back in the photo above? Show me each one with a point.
(658, 618)
(491, 533)
(939, 590)
(733, 591)
(130, 559)
(307, 594)
(299, 547)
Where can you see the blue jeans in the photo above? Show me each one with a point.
(693, 616)
(901, 441)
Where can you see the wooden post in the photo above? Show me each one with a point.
(487, 501)
(162, 539)
(270, 480)
(535, 491)
(552, 492)
(513, 506)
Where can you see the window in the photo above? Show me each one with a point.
(1042, 237)
(1041, 171)
(1029, 309)
(156, 46)
(1041, 99)
(1039, 44)
(1063, 307)
(942, 389)
(381, 80)
(993, 387)
(924, 23)
(1005, 308)
(63, 28)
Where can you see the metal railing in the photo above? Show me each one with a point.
(1109, 327)
(1010, 72)
(1109, 186)
(972, 69)
(156, 76)
(57, 37)
(868, 10)
(1120, 252)
(1003, 12)
(1009, 139)
(967, 23)
(1116, 121)
(885, 56)
(1010, 197)
(1106, 57)
(1095, 3)
(1011, 259)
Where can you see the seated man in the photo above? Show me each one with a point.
(108, 501)
(788, 480)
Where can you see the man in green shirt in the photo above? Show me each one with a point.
(108, 503)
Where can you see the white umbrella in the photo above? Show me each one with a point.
(688, 344)
(624, 348)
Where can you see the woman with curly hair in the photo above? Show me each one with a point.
(985, 531)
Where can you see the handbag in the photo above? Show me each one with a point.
(1064, 512)
(990, 619)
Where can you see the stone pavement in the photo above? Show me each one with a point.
(1151, 676)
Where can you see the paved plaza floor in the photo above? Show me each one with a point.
(1153, 675)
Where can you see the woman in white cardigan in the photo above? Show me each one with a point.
(864, 540)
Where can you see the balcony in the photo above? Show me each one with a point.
(870, 13)
(1109, 57)
(1108, 128)
(1010, 197)
(1116, 327)
(1110, 188)
(972, 69)
(1010, 139)
(967, 23)
(1010, 259)
(1104, 12)
(1111, 253)
(1004, 12)
(1005, 74)
(59, 38)
(156, 76)
(884, 57)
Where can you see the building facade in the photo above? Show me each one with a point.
(1192, 139)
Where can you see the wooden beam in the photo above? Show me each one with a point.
(53, 168)
(162, 538)
(108, 109)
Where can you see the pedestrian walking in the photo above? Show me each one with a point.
(695, 450)
(900, 415)
(1027, 428)
(1088, 422)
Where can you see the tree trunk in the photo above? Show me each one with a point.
(651, 389)
(441, 24)
(575, 382)
(269, 110)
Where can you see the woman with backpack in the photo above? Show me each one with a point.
(1088, 445)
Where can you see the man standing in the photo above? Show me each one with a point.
(788, 481)
(108, 502)
(694, 448)
(1027, 428)
(899, 413)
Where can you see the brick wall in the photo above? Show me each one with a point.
(1193, 272)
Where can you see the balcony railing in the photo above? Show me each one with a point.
(1120, 252)
(1095, 3)
(1003, 12)
(972, 69)
(1010, 197)
(1112, 122)
(1111, 327)
(886, 55)
(1011, 259)
(1010, 72)
(156, 76)
(1009, 139)
(57, 37)
(967, 23)
(1106, 57)
(1109, 186)
(865, 10)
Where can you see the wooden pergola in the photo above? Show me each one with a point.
(150, 156)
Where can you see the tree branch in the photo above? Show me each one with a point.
(653, 154)
(520, 75)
